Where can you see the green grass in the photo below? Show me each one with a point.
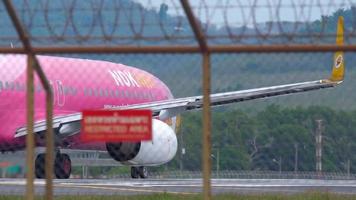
(306, 196)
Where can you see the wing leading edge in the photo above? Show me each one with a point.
(170, 108)
(180, 105)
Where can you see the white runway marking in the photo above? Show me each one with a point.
(193, 182)
(185, 186)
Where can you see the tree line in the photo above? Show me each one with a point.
(271, 137)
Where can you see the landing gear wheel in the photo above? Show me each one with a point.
(143, 172)
(40, 166)
(134, 172)
(62, 166)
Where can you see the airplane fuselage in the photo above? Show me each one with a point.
(77, 84)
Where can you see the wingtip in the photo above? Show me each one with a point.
(338, 70)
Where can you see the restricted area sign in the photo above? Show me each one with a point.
(116, 125)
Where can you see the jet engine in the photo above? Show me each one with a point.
(161, 149)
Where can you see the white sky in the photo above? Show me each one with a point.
(238, 12)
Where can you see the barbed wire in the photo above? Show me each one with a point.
(151, 22)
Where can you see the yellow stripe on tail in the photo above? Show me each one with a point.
(339, 61)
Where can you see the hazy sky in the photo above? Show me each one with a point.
(239, 12)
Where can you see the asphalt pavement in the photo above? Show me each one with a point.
(179, 186)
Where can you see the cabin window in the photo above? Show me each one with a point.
(150, 96)
(66, 90)
(146, 95)
(131, 95)
(87, 92)
(39, 88)
(106, 92)
(153, 97)
(74, 91)
(141, 95)
(9, 86)
(135, 93)
(69, 90)
(95, 92)
(102, 92)
(117, 93)
(19, 87)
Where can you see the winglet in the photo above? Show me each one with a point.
(338, 71)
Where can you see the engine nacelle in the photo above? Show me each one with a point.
(160, 150)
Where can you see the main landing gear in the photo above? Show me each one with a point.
(137, 172)
(62, 166)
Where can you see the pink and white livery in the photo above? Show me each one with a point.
(80, 84)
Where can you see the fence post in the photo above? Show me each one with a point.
(206, 137)
(30, 142)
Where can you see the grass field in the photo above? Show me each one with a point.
(307, 196)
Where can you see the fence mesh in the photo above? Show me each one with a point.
(147, 22)
(259, 139)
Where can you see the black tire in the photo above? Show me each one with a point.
(62, 166)
(40, 166)
(134, 172)
(142, 171)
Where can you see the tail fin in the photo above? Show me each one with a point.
(338, 71)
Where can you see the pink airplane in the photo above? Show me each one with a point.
(80, 84)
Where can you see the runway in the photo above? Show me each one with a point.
(179, 186)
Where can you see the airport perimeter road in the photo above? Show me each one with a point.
(179, 186)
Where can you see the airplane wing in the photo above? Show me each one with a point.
(170, 108)
(68, 125)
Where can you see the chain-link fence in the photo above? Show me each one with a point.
(145, 54)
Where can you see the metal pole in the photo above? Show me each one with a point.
(206, 137)
(49, 157)
(30, 141)
(181, 152)
(318, 146)
(206, 128)
(348, 168)
(280, 164)
(296, 158)
(3, 172)
(217, 162)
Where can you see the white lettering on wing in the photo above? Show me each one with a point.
(123, 78)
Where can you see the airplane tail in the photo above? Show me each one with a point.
(338, 70)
